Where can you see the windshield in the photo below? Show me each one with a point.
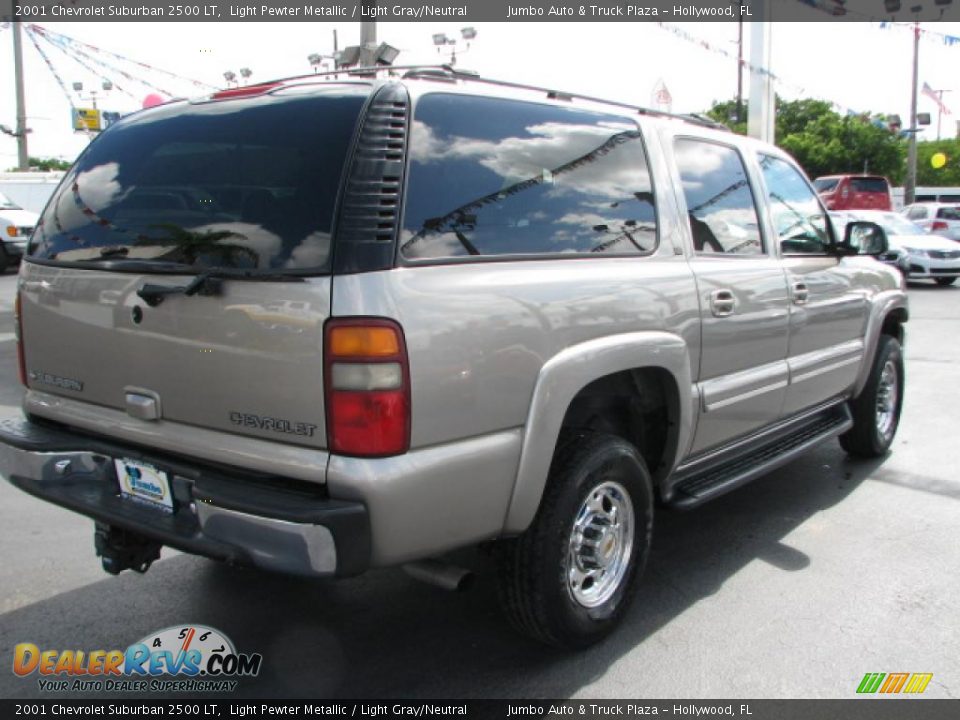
(242, 183)
(8, 204)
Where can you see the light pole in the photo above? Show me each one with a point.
(23, 157)
(441, 40)
(910, 186)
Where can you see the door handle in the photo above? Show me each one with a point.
(722, 303)
(800, 293)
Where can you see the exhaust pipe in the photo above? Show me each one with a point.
(441, 574)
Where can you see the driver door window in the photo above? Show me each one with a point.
(798, 217)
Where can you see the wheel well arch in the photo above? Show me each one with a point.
(893, 323)
(640, 405)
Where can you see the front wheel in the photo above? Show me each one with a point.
(569, 578)
(945, 280)
(876, 411)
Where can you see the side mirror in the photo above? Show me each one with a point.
(863, 238)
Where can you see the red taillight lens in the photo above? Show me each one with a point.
(367, 383)
(938, 225)
(18, 332)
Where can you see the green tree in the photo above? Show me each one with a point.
(45, 164)
(949, 174)
(827, 143)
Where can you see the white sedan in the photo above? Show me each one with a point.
(930, 257)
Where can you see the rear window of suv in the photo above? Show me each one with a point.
(492, 177)
(248, 184)
(949, 213)
(869, 184)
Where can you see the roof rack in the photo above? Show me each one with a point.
(445, 72)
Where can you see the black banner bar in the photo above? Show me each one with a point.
(874, 708)
(471, 10)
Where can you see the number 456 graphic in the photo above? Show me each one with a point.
(894, 682)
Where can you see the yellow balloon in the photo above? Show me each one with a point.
(938, 160)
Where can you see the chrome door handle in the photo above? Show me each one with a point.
(722, 303)
(800, 293)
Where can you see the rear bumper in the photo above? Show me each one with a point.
(216, 515)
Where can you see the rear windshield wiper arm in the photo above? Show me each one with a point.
(207, 283)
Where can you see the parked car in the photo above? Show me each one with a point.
(16, 225)
(937, 218)
(928, 257)
(535, 331)
(854, 192)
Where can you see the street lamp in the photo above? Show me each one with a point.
(442, 40)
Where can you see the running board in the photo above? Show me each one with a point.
(703, 482)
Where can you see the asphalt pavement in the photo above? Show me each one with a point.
(792, 587)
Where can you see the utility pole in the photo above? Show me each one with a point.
(910, 187)
(23, 158)
(740, 70)
(761, 108)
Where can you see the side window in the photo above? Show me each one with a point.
(501, 177)
(798, 217)
(917, 213)
(720, 204)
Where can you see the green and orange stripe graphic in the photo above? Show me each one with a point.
(914, 683)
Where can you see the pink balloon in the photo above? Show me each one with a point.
(152, 99)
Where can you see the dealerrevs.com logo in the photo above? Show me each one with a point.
(184, 658)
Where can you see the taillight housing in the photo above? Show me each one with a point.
(367, 387)
(18, 333)
(938, 225)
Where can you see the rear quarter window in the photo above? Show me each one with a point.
(248, 183)
(491, 177)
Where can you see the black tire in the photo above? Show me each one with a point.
(4, 261)
(535, 569)
(945, 281)
(872, 434)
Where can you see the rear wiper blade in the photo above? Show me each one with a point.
(208, 283)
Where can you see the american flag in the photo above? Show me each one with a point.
(933, 95)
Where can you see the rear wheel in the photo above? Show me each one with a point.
(946, 280)
(876, 411)
(569, 578)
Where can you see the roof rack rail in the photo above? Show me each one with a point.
(451, 73)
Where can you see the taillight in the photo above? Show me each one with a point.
(367, 382)
(18, 333)
(938, 225)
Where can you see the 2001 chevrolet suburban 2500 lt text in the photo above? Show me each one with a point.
(320, 326)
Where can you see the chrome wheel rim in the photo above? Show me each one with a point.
(888, 392)
(601, 545)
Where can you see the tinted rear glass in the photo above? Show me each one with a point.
(246, 183)
(869, 184)
(825, 184)
(502, 177)
(949, 213)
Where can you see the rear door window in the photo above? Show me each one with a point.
(493, 177)
(720, 204)
(248, 183)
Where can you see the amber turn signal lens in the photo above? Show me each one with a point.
(366, 341)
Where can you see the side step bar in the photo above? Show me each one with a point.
(703, 481)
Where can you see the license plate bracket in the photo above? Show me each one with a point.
(144, 483)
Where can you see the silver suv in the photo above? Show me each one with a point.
(320, 326)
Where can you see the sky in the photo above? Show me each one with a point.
(859, 66)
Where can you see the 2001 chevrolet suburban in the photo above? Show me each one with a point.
(323, 325)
